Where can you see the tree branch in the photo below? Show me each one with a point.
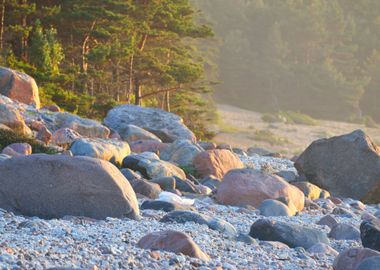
(161, 91)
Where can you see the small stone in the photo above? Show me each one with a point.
(328, 221)
(172, 241)
(321, 248)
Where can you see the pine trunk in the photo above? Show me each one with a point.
(2, 24)
(137, 91)
(24, 36)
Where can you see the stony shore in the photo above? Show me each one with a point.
(32, 243)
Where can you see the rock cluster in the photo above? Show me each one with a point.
(138, 191)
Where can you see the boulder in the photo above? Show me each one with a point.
(166, 183)
(174, 198)
(44, 135)
(85, 127)
(130, 175)
(185, 185)
(288, 176)
(328, 221)
(351, 258)
(181, 152)
(4, 127)
(52, 108)
(10, 117)
(54, 186)
(4, 157)
(167, 126)
(17, 149)
(216, 162)
(108, 149)
(290, 234)
(147, 189)
(273, 208)
(310, 190)
(65, 136)
(344, 231)
(370, 234)
(19, 87)
(347, 166)
(250, 187)
(150, 166)
(131, 133)
(212, 182)
(371, 263)
(224, 146)
(147, 146)
(377, 214)
(172, 241)
(163, 206)
(207, 145)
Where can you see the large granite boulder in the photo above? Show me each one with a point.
(250, 187)
(111, 150)
(19, 87)
(10, 117)
(65, 136)
(131, 133)
(53, 186)
(167, 126)
(216, 162)
(148, 146)
(181, 152)
(290, 234)
(347, 166)
(85, 127)
(310, 190)
(17, 149)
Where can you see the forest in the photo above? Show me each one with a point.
(88, 56)
(318, 57)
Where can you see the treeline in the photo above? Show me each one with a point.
(320, 57)
(88, 56)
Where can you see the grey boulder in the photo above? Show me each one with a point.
(108, 149)
(54, 186)
(289, 234)
(181, 152)
(271, 208)
(131, 133)
(167, 126)
(346, 166)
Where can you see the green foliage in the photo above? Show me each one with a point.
(190, 170)
(8, 137)
(298, 118)
(88, 56)
(269, 137)
(198, 114)
(289, 117)
(369, 122)
(271, 118)
(317, 57)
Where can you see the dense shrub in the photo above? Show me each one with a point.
(8, 137)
